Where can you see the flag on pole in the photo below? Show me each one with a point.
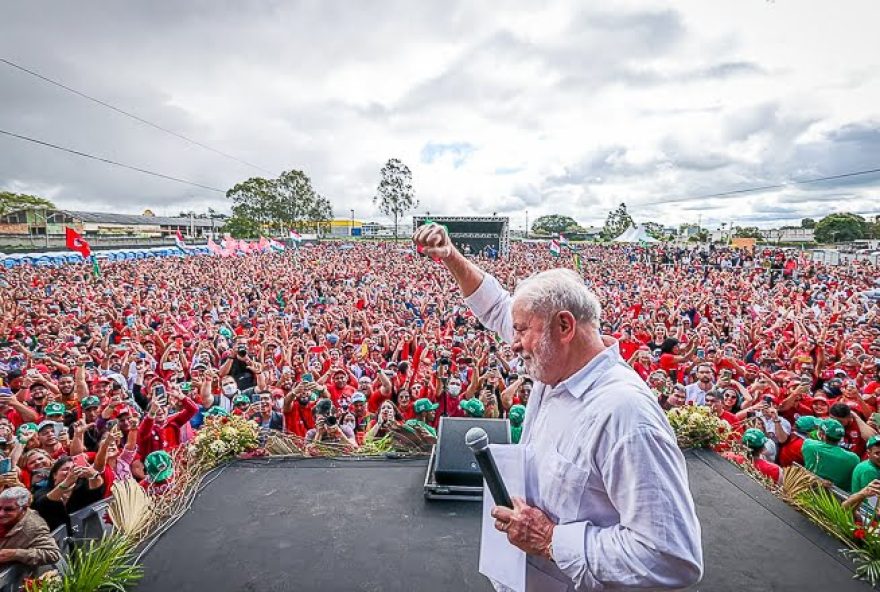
(295, 237)
(562, 240)
(275, 245)
(577, 263)
(555, 249)
(214, 248)
(75, 242)
(178, 240)
(263, 245)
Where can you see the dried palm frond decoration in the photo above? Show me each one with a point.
(131, 509)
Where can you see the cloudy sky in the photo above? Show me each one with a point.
(496, 107)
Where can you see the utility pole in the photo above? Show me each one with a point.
(527, 224)
(351, 229)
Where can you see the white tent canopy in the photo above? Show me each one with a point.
(635, 234)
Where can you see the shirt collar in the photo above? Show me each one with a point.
(578, 383)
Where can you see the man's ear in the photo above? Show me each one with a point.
(567, 326)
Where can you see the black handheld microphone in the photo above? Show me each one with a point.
(478, 441)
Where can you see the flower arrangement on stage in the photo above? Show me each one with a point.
(223, 437)
(696, 426)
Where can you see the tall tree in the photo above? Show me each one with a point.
(808, 223)
(295, 198)
(655, 230)
(254, 199)
(617, 222)
(553, 224)
(9, 202)
(395, 195)
(319, 214)
(843, 227)
(240, 227)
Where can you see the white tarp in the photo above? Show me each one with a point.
(635, 234)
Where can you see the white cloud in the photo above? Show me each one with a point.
(563, 108)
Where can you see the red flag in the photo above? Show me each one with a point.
(75, 242)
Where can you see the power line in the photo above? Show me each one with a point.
(132, 115)
(765, 187)
(108, 161)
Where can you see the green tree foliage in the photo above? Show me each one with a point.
(808, 223)
(395, 195)
(617, 222)
(836, 228)
(288, 201)
(747, 232)
(655, 230)
(9, 202)
(240, 227)
(555, 224)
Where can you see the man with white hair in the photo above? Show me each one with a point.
(608, 498)
(24, 536)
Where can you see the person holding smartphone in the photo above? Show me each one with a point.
(72, 488)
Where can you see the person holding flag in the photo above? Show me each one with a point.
(178, 240)
(75, 242)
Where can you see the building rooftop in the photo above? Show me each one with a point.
(136, 220)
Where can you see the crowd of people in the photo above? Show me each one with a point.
(104, 377)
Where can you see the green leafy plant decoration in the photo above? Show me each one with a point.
(105, 565)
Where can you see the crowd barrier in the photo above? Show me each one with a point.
(90, 523)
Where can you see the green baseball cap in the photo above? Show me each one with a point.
(473, 407)
(159, 466)
(239, 399)
(422, 405)
(90, 401)
(26, 427)
(806, 424)
(832, 429)
(185, 387)
(873, 441)
(754, 438)
(55, 409)
(217, 411)
(225, 332)
(517, 414)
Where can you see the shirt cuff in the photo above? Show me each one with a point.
(568, 545)
(570, 554)
(484, 297)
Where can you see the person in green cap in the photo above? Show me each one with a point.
(755, 440)
(516, 415)
(240, 404)
(472, 407)
(160, 472)
(791, 452)
(827, 459)
(424, 410)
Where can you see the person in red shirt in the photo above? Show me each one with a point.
(340, 387)
(158, 431)
(754, 439)
(791, 451)
(853, 440)
(299, 416)
(714, 402)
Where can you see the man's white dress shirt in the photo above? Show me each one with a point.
(603, 463)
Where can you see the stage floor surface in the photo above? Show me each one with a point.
(362, 525)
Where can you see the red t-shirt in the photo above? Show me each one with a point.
(340, 393)
(768, 469)
(791, 452)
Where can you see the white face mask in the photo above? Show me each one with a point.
(454, 389)
(229, 389)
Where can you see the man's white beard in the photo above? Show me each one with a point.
(541, 358)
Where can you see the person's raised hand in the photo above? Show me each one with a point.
(434, 241)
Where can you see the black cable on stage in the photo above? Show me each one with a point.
(764, 187)
(131, 115)
(108, 161)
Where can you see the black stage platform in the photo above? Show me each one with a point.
(363, 525)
